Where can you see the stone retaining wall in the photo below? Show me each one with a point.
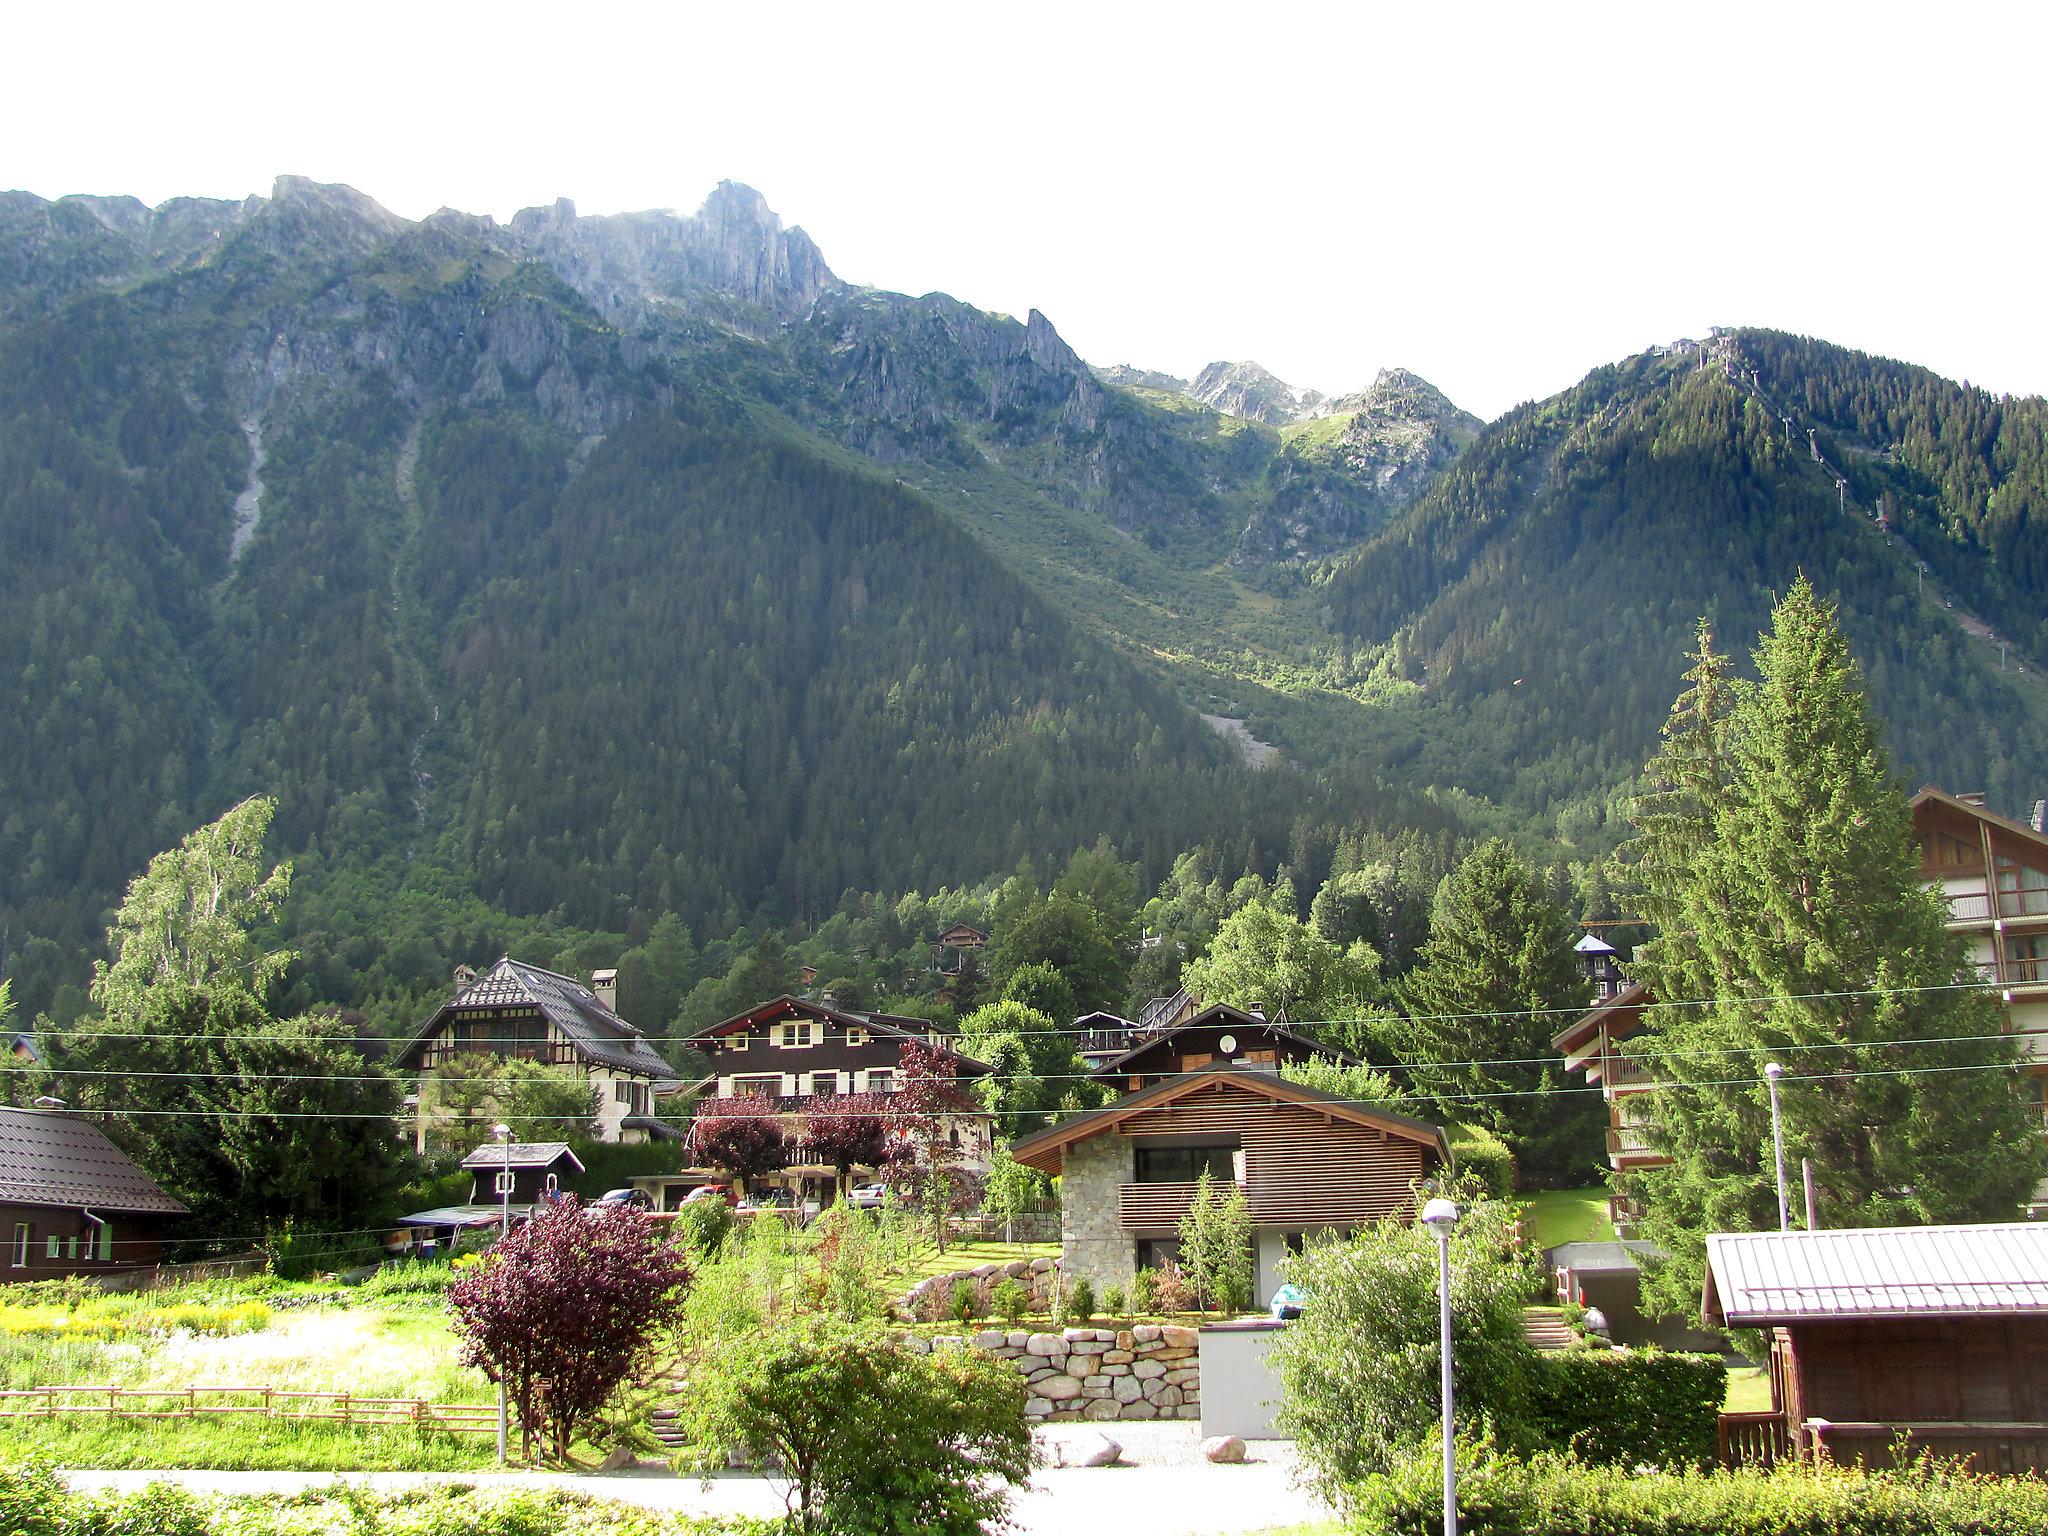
(931, 1300)
(1149, 1371)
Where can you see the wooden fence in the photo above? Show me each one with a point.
(269, 1402)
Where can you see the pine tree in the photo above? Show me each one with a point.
(1485, 998)
(1776, 854)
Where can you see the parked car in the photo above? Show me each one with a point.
(638, 1199)
(867, 1197)
(705, 1192)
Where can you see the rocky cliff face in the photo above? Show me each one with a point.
(1247, 390)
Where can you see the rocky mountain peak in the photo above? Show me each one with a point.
(1250, 391)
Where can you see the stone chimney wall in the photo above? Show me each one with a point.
(606, 985)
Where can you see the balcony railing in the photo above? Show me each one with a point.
(1754, 1440)
(1969, 907)
(2025, 901)
(2026, 973)
(1148, 1206)
(1631, 1141)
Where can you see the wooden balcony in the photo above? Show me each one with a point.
(1993, 1447)
(1754, 1440)
(1153, 1207)
(1969, 907)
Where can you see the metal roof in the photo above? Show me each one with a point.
(596, 1032)
(1759, 1278)
(50, 1158)
(521, 1154)
(1593, 944)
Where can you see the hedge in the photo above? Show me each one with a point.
(1554, 1496)
(1629, 1407)
(1477, 1151)
(35, 1502)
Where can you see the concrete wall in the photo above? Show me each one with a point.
(1242, 1393)
(1092, 1239)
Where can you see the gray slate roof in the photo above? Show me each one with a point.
(598, 1034)
(50, 1158)
(1758, 1278)
(522, 1154)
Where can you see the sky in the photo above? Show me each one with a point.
(1497, 197)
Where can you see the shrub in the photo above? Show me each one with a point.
(1011, 1300)
(701, 1226)
(1477, 1152)
(1216, 1244)
(1629, 1407)
(1555, 1496)
(1113, 1301)
(409, 1278)
(796, 1398)
(573, 1299)
(966, 1304)
(1170, 1289)
(1144, 1290)
(1360, 1367)
(1077, 1302)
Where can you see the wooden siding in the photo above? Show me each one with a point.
(1303, 1169)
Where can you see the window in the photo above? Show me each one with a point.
(737, 1041)
(19, 1258)
(1157, 1252)
(767, 1087)
(856, 1035)
(622, 1091)
(881, 1080)
(53, 1248)
(823, 1082)
(2037, 1103)
(1184, 1165)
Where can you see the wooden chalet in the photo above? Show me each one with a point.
(1923, 1337)
(532, 1173)
(1217, 1034)
(1101, 1037)
(951, 948)
(72, 1203)
(794, 1052)
(521, 1011)
(1307, 1162)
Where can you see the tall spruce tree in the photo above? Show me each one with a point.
(1775, 854)
(1484, 1000)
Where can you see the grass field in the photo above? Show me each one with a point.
(1568, 1216)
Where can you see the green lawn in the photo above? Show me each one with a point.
(240, 1445)
(1554, 1216)
(1749, 1390)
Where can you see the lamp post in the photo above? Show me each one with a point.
(504, 1135)
(1440, 1215)
(1772, 1073)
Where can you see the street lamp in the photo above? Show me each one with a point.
(1440, 1215)
(504, 1134)
(1772, 1073)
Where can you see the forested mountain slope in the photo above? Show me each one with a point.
(1537, 600)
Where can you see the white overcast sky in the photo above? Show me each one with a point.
(1497, 197)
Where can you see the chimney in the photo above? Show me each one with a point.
(2039, 820)
(464, 975)
(826, 999)
(1972, 797)
(606, 985)
(1257, 1010)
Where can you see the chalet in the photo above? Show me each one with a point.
(506, 1180)
(795, 1052)
(1307, 1162)
(1992, 874)
(1101, 1037)
(1926, 1338)
(521, 1011)
(951, 948)
(71, 1202)
(1601, 963)
(1217, 1034)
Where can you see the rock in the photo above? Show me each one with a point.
(1057, 1388)
(1163, 1355)
(1092, 1450)
(1126, 1389)
(1117, 1357)
(1224, 1448)
(1148, 1370)
(1139, 1410)
(1189, 1373)
(1187, 1411)
(1103, 1408)
(1017, 1338)
(1095, 1386)
(1082, 1366)
(1169, 1397)
(618, 1458)
(917, 1344)
(1088, 1347)
(1173, 1336)
(992, 1339)
(1125, 1338)
(983, 1271)
(1041, 1266)
(1145, 1333)
(1074, 1336)
(1036, 1407)
(1045, 1344)
(1016, 1268)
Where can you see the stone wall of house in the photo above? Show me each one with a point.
(1092, 1239)
(1149, 1371)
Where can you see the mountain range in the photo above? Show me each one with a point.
(605, 567)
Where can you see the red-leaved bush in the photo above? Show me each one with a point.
(741, 1135)
(846, 1129)
(563, 1310)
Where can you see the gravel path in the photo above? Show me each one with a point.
(1166, 1488)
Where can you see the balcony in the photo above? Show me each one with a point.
(1153, 1207)
(1632, 1141)
(1969, 907)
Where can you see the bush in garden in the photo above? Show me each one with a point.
(1113, 1301)
(1629, 1407)
(575, 1299)
(1011, 1300)
(1552, 1495)
(808, 1400)
(1216, 1244)
(1359, 1368)
(1077, 1302)
(1478, 1152)
(701, 1225)
(966, 1304)
(1170, 1289)
(1145, 1290)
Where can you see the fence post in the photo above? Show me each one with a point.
(344, 1407)
(191, 1402)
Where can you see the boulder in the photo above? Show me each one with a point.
(917, 1344)
(1057, 1388)
(1140, 1410)
(1091, 1450)
(1188, 1373)
(1173, 1336)
(1169, 1397)
(1126, 1389)
(1103, 1409)
(1226, 1448)
(618, 1459)
(1017, 1338)
(1117, 1357)
(1041, 1266)
(990, 1339)
(1148, 1369)
(1146, 1333)
(1036, 1407)
(1045, 1344)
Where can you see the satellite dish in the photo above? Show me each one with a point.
(1227, 1045)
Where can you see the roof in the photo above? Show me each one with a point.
(1220, 1016)
(1930, 795)
(962, 936)
(521, 1154)
(463, 1215)
(1043, 1149)
(1601, 1258)
(597, 1033)
(51, 1158)
(1593, 944)
(1102, 1018)
(1756, 1279)
(657, 1128)
(901, 1026)
(1575, 1035)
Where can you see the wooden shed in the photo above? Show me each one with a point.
(1928, 1337)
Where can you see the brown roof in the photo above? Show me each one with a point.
(1043, 1150)
(1929, 794)
(48, 1157)
(1575, 1034)
(1220, 1016)
(895, 1025)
